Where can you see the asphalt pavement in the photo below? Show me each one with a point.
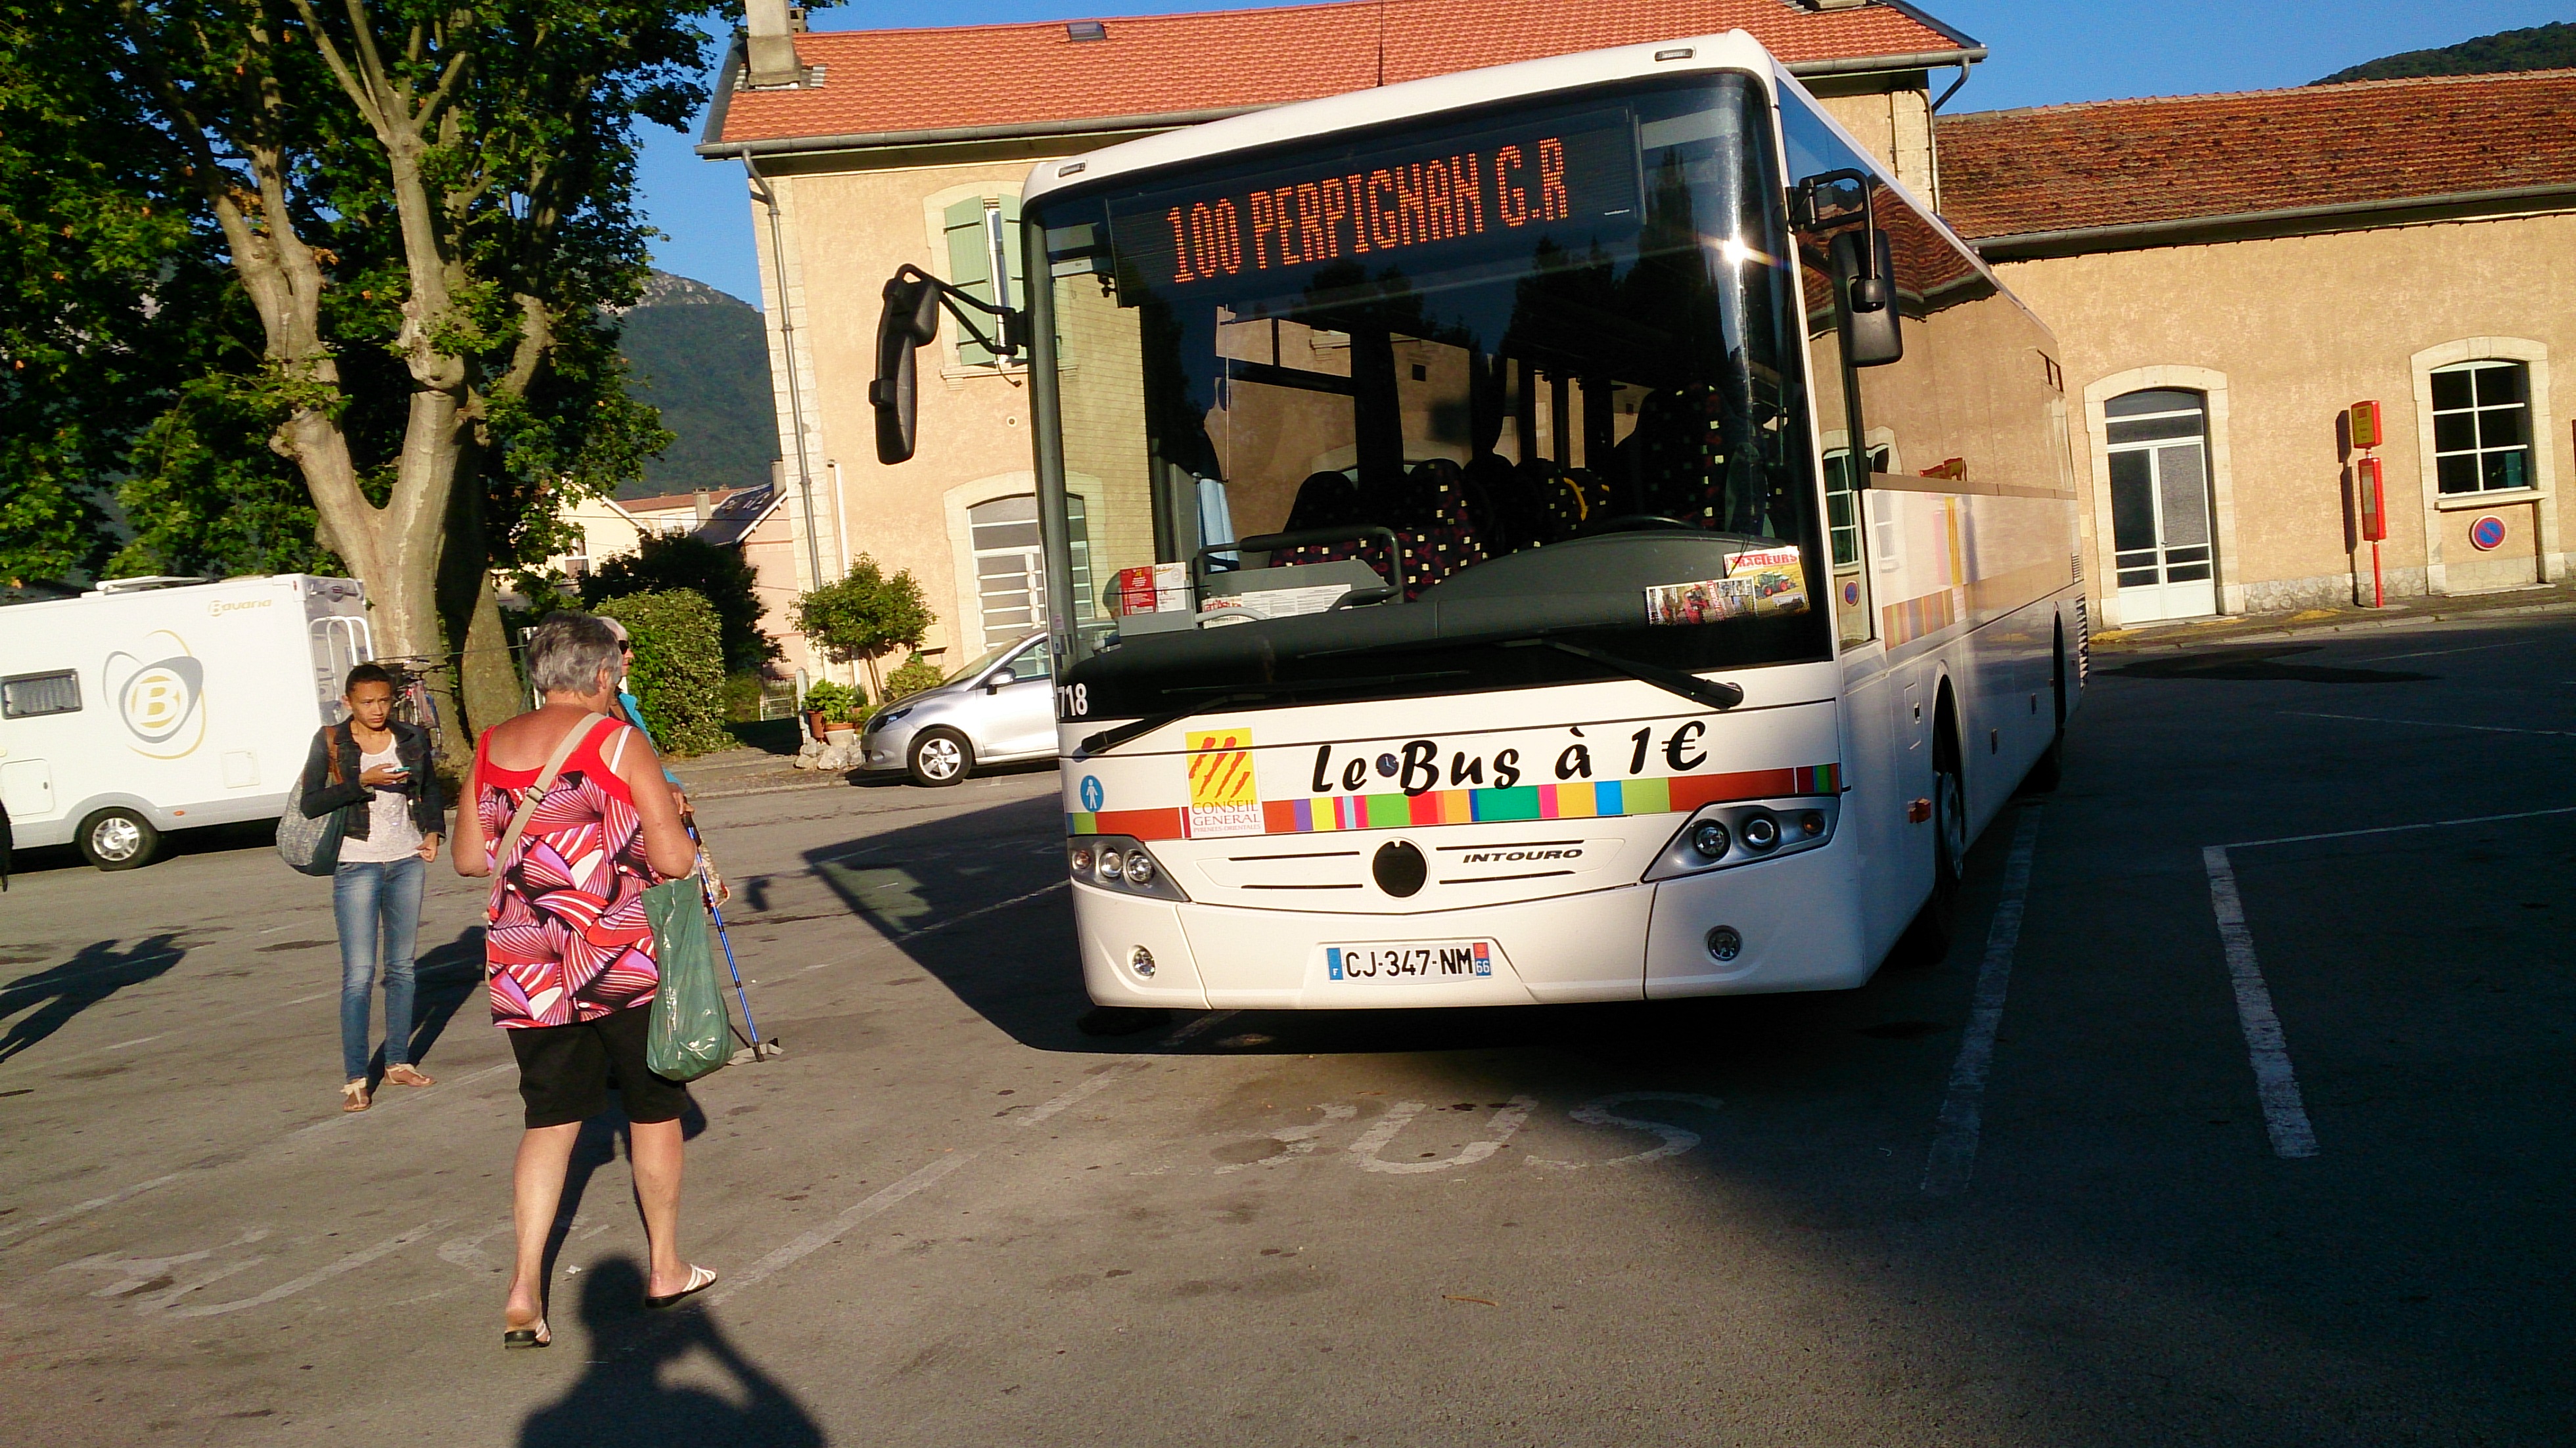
(2236, 1116)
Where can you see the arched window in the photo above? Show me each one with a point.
(2163, 562)
(2482, 427)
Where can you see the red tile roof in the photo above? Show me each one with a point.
(900, 81)
(2180, 158)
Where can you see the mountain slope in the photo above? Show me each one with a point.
(2542, 47)
(701, 357)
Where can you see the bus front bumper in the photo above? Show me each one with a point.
(1794, 926)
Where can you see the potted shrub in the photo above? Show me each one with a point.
(825, 702)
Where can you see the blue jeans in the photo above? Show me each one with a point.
(366, 897)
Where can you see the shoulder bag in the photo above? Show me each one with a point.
(311, 846)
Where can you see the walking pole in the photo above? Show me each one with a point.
(759, 1051)
(706, 892)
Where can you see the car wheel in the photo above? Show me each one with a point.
(118, 839)
(940, 757)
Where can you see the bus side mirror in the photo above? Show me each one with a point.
(1873, 332)
(909, 322)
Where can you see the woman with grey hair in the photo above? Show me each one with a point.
(568, 951)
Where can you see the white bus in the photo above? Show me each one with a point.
(1573, 531)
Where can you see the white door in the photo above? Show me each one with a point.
(2164, 565)
(1024, 717)
(27, 790)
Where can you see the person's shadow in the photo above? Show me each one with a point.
(622, 1399)
(66, 990)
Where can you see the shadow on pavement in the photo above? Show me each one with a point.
(52, 997)
(623, 1399)
(446, 977)
(2263, 665)
(978, 901)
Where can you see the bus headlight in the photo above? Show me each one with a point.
(1120, 864)
(1722, 836)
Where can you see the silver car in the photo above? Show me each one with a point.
(996, 710)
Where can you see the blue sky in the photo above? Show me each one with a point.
(2045, 52)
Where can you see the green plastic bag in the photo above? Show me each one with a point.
(690, 1035)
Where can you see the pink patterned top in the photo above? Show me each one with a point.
(567, 938)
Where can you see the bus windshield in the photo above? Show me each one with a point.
(1365, 416)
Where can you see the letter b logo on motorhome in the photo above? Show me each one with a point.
(161, 702)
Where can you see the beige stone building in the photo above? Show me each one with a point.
(2229, 274)
(871, 149)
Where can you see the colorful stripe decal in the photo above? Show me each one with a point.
(1586, 799)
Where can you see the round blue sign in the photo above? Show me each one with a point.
(2487, 532)
(1092, 794)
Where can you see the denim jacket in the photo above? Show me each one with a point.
(411, 746)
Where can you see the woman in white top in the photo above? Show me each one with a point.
(392, 816)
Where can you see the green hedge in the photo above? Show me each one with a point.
(679, 667)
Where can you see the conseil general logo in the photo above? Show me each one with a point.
(159, 694)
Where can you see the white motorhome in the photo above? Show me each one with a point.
(153, 705)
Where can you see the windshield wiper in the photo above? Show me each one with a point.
(1108, 739)
(1716, 694)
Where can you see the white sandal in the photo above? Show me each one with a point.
(353, 1095)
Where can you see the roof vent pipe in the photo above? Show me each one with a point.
(772, 46)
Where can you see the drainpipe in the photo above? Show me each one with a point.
(795, 396)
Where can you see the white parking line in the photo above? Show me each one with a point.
(1954, 1146)
(93, 1204)
(2285, 1113)
(2428, 724)
(1074, 1097)
(2526, 814)
(822, 1236)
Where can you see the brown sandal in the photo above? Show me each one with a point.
(353, 1095)
(406, 1074)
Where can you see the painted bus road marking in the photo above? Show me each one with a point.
(1597, 1112)
(1506, 1120)
(137, 1274)
(1296, 1141)
(1954, 1145)
(314, 1278)
(2285, 1112)
(155, 1277)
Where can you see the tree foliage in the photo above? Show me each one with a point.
(2542, 47)
(717, 574)
(323, 279)
(678, 674)
(865, 616)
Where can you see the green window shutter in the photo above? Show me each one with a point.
(970, 270)
(1011, 251)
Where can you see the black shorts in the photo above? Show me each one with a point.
(565, 1072)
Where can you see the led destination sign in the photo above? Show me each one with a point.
(1363, 205)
